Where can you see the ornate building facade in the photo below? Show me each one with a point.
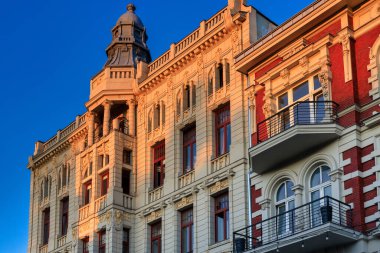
(242, 137)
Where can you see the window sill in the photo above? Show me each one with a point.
(219, 244)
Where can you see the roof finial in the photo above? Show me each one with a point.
(131, 7)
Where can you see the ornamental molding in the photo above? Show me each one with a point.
(373, 68)
(219, 186)
(324, 78)
(345, 40)
(185, 201)
(285, 75)
(304, 63)
(265, 204)
(155, 215)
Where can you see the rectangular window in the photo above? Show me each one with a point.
(301, 91)
(155, 238)
(127, 157)
(158, 164)
(100, 161)
(187, 231)
(223, 130)
(46, 226)
(64, 215)
(221, 218)
(283, 101)
(126, 181)
(104, 184)
(189, 149)
(87, 193)
(125, 240)
(107, 160)
(85, 245)
(102, 241)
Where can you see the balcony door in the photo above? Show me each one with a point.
(320, 186)
(284, 208)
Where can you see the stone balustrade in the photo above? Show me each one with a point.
(84, 212)
(155, 194)
(127, 201)
(44, 248)
(220, 162)
(61, 241)
(101, 203)
(186, 179)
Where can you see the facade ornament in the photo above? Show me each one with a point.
(304, 63)
(324, 79)
(347, 61)
(218, 55)
(118, 220)
(200, 64)
(141, 105)
(285, 75)
(336, 175)
(265, 204)
(345, 41)
(185, 201)
(218, 186)
(74, 234)
(235, 40)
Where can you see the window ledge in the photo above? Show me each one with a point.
(219, 244)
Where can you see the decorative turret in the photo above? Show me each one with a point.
(128, 44)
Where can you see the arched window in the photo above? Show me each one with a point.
(46, 187)
(284, 205)
(210, 82)
(150, 119)
(320, 187)
(320, 183)
(186, 98)
(157, 112)
(228, 78)
(219, 77)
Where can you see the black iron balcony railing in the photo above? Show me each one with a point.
(298, 220)
(299, 113)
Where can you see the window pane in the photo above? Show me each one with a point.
(300, 91)
(289, 191)
(194, 153)
(327, 191)
(315, 195)
(283, 101)
(227, 224)
(221, 141)
(325, 174)
(317, 83)
(315, 178)
(220, 227)
(155, 247)
(228, 137)
(281, 192)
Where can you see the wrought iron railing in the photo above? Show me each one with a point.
(299, 113)
(298, 220)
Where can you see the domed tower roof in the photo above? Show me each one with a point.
(128, 44)
(130, 18)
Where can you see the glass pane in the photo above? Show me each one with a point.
(317, 83)
(315, 178)
(325, 174)
(300, 91)
(221, 141)
(220, 228)
(228, 137)
(289, 191)
(194, 153)
(315, 209)
(291, 205)
(188, 158)
(283, 101)
(227, 224)
(281, 192)
(327, 191)
(185, 240)
(281, 219)
(155, 247)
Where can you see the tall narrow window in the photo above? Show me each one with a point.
(228, 77)
(210, 83)
(127, 157)
(46, 187)
(189, 149)
(85, 242)
(157, 112)
(104, 184)
(100, 161)
(320, 190)
(102, 241)
(284, 204)
(64, 215)
(125, 181)
(193, 95)
(64, 176)
(163, 111)
(87, 193)
(221, 218)
(219, 77)
(106, 160)
(187, 232)
(186, 98)
(155, 238)
(159, 164)
(150, 119)
(223, 130)
(46, 226)
(125, 240)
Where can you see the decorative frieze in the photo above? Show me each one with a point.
(155, 215)
(218, 186)
(185, 201)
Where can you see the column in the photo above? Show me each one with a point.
(106, 118)
(131, 117)
(90, 122)
(299, 214)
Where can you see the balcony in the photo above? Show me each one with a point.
(185, 180)
(84, 212)
(293, 131)
(320, 224)
(101, 203)
(61, 241)
(127, 201)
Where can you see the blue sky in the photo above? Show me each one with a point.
(50, 51)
